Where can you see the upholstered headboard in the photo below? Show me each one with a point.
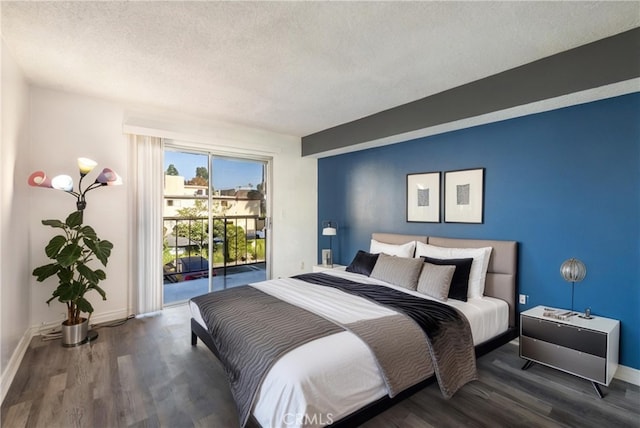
(502, 270)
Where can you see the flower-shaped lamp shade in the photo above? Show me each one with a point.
(86, 165)
(39, 179)
(62, 182)
(109, 177)
(573, 270)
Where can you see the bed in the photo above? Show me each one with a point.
(335, 379)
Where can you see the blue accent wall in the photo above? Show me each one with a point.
(564, 183)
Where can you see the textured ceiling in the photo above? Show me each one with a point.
(290, 67)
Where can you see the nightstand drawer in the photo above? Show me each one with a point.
(568, 336)
(572, 361)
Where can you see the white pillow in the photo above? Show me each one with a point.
(478, 273)
(404, 250)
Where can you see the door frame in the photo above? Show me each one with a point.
(210, 152)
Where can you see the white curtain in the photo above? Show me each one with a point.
(146, 176)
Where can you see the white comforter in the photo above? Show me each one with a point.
(329, 378)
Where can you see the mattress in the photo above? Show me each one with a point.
(329, 378)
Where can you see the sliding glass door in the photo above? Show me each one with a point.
(214, 223)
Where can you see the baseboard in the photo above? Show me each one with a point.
(18, 354)
(624, 373)
(15, 360)
(109, 316)
(94, 320)
(628, 374)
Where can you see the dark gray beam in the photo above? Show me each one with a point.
(610, 60)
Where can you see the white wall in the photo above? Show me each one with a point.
(14, 226)
(295, 214)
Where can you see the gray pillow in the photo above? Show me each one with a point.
(435, 280)
(401, 271)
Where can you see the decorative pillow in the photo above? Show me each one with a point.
(435, 280)
(479, 267)
(460, 281)
(401, 271)
(403, 250)
(363, 263)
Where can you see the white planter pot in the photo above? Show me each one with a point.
(74, 335)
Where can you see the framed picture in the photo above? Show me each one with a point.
(464, 196)
(423, 197)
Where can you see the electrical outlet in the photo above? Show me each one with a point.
(301, 265)
(523, 299)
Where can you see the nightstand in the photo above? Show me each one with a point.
(322, 268)
(587, 348)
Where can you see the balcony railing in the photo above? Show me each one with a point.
(236, 240)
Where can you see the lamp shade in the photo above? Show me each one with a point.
(39, 179)
(329, 231)
(62, 182)
(573, 270)
(108, 176)
(86, 165)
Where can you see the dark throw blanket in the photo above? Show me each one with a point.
(447, 330)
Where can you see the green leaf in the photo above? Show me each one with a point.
(67, 292)
(56, 243)
(85, 271)
(87, 232)
(100, 274)
(74, 219)
(100, 291)
(91, 244)
(69, 255)
(53, 223)
(102, 251)
(52, 297)
(44, 272)
(84, 305)
(65, 275)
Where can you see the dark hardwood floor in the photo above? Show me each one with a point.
(145, 373)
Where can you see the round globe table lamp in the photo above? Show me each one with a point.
(573, 270)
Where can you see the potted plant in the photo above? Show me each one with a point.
(73, 252)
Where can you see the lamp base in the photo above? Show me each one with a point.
(327, 258)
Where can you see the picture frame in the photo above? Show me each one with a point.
(464, 196)
(423, 197)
